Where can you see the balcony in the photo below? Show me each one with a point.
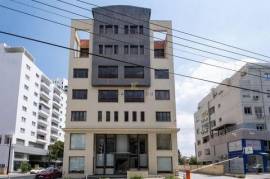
(45, 81)
(56, 97)
(54, 128)
(44, 111)
(44, 95)
(54, 135)
(56, 104)
(41, 139)
(41, 130)
(56, 112)
(43, 121)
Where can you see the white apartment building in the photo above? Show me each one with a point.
(32, 109)
(120, 117)
(229, 120)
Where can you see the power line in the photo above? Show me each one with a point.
(186, 46)
(180, 31)
(126, 62)
(56, 22)
(185, 39)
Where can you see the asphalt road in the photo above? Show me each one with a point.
(249, 176)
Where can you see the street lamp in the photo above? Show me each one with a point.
(9, 151)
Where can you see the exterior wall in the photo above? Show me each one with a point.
(24, 81)
(91, 126)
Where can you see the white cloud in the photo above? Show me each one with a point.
(189, 92)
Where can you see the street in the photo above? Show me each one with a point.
(250, 176)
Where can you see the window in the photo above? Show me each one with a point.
(37, 75)
(133, 29)
(163, 116)
(108, 116)
(159, 53)
(162, 74)
(80, 73)
(79, 94)
(27, 77)
(267, 76)
(142, 116)
(101, 29)
(28, 67)
(260, 127)
(100, 49)
(141, 50)
(207, 151)
(134, 116)
(134, 49)
(34, 113)
(108, 49)
(248, 110)
(7, 139)
(22, 130)
(20, 142)
(0, 139)
(36, 94)
(99, 116)
(36, 84)
(84, 52)
(108, 96)
(24, 108)
(126, 29)
(23, 119)
(115, 29)
(126, 49)
(32, 133)
(164, 164)
(258, 112)
(76, 164)
(78, 115)
(198, 142)
(33, 123)
(126, 116)
(77, 141)
(108, 71)
(26, 87)
(108, 29)
(134, 95)
(211, 110)
(115, 49)
(25, 98)
(140, 29)
(115, 116)
(164, 142)
(162, 94)
(134, 72)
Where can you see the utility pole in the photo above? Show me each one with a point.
(9, 151)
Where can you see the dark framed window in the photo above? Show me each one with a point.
(115, 29)
(126, 29)
(78, 115)
(126, 116)
(84, 52)
(134, 72)
(108, 116)
(99, 116)
(162, 94)
(142, 116)
(141, 29)
(108, 71)
(108, 29)
(248, 110)
(163, 116)
(159, 53)
(134, 116)
(108, 96)
(141, 50)
(108, 49)
(134, 50)
(134, 95)
(79, 94)
(101, 29)
(80, 73)
(133, 29)
(115, 116)
(115, 49)
(164, 142)
(76, 164)
(126, 49)
(100, 49)
(162, 74)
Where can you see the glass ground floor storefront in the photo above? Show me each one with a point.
(118, 153)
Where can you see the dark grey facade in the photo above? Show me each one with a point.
(107, 23)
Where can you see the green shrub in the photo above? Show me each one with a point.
(25, 167)
(136, 177)
(170, 177)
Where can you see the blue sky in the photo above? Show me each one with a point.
(243, 23)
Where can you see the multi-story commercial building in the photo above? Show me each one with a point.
(32, 111)
(230, 120)
(120, 116)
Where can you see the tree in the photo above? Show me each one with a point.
(56, 151)
(181, 160)
(193, 160)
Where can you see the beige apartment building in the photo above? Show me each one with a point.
(120, 116)
(228, 120)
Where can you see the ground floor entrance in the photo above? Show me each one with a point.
(118, 153)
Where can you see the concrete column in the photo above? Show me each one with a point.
(66, 154)
(174, 150)
(152, 153)
(89, 153)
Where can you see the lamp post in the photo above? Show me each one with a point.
(9, 151)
